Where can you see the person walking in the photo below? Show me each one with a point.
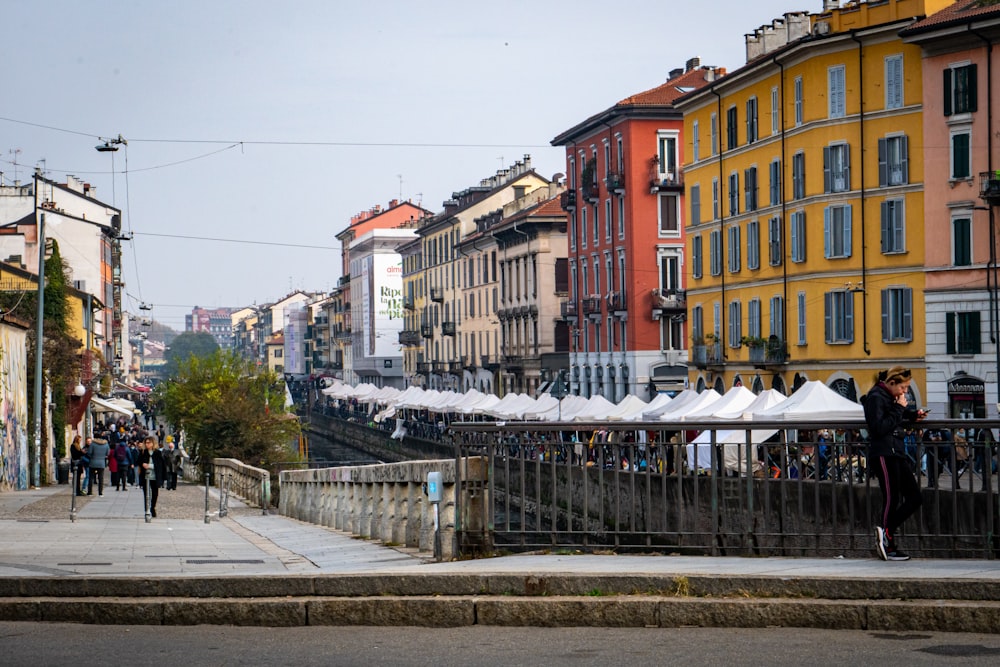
(172, 464)
(151, 470)
(122, 460)
(98, 453)
(77, 455)
(886, 412)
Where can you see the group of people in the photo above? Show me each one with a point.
(132, 455)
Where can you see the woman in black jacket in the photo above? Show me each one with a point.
(151, 469)
(886, 411)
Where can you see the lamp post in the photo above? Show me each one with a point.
(989, 192)
(39, 340)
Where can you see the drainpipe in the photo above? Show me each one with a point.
(722, 230)
(864, 246)
(991, 267)
(784, 205)
(527, 256)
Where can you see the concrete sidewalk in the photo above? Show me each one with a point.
(297, 573)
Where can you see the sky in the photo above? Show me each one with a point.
(255, 130)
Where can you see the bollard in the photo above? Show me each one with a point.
(74, 478)
(149, 516)
(208, 514)
(265, 493)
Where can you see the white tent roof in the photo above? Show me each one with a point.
(101, 405)
(596, 409)
(676, 410)
(737, 398)
(813, 401)
(543, 404)
(762, 401)
(631, 407)
(485, 402)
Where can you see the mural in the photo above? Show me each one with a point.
(13, 408)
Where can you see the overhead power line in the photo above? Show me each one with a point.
(220, 240)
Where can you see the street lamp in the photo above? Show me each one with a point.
(989, 192)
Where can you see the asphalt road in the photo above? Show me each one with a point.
(40, 644)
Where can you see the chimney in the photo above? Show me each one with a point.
(674, 73)
(830, 5)
(692, 63)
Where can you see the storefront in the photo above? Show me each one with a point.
(966, 397)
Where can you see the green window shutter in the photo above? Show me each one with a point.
(949, 324)
(948, 92)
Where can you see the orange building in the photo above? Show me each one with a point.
(626, 307)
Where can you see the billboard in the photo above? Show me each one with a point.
(382, 305)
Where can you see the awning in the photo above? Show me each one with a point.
(100, 405)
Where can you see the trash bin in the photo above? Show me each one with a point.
(62, 472)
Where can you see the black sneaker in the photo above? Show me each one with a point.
(896, 554)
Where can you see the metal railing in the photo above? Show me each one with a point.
(252, 485)
(774, 490)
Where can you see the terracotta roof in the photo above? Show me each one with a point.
(960, 12)
(674, 88)
(549, 207)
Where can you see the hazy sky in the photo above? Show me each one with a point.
(259, 122)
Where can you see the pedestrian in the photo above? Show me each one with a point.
(133, 455)
(171, 463)
(151, 472)
(886, 412)
(77, 456)
(98, 453)
(122, 461)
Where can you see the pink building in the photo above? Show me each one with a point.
(960, 153)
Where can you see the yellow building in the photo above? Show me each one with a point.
(804, 185)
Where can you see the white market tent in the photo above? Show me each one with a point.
(813, 401)
(737, 398)
(631, 407)
(675, 403)
(596, 409)
(102, 405)
(732, 439)
(676, 411)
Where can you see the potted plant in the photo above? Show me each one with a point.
(752, 341)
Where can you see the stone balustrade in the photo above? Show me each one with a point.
(387, 502)
(250, 484)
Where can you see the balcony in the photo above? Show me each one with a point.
(437, 294)
(437, 367)
(455, 367)
(344, 280)
(616, 183)
(772, 352)
(490, 362)
(448, 328)
(617, 303)
(592, 306)
(592, 192)
(343, 334)
(567, 309)
(513, 361)
(337, 365)
(668, 182)
(469, 363)
(706, 355)
(989, 187)
(568, 200)
(424, 368)
(409, 303)
(427, 331)
(409, 337)
(668, 302)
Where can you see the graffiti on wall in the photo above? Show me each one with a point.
(13, 408)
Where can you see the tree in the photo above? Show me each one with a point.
(187, 344)
(228, 409)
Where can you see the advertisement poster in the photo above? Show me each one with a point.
(386, 306)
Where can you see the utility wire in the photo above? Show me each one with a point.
(220, 240)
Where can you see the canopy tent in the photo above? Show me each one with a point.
(631, 407)
(731, 439)
(101, 405)
(675, 403)
(676, 410)
(737, 398)
(814, 402)
(596, 409)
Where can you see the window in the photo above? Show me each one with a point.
(583, 226)
(715, 199)
(697, 323)
(753, 245)
(715, 252)
(669, 224)
(668, 156)
(750, 188)
(775, 111)
(961, 157)
(607, 220)
(894, 81)
(897, 315)
(961, 241)
(621, 217)
(751, 120)
(777, 318)
(837, 231)
(774, 241)
(696, 256)
(717, 319)
(597, 277)
(735, 323)
(797, 92)
(734, 248)
(572, 229)
(753, 318)
(799, 175)
(732, 118)
(695, 142)
(893, 161)
(959, 89)
(837, 168)
(607, 158)
(893, 226)
(839, 315)
(620, 149)
(734, 193)
(774, 182)
(596, 232)
(836, 93)
(963, 333)
(798, 232)
(714, 130)
(802, 317)
(695, 204)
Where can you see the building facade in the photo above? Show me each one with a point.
(216, 321)
(805, 210)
